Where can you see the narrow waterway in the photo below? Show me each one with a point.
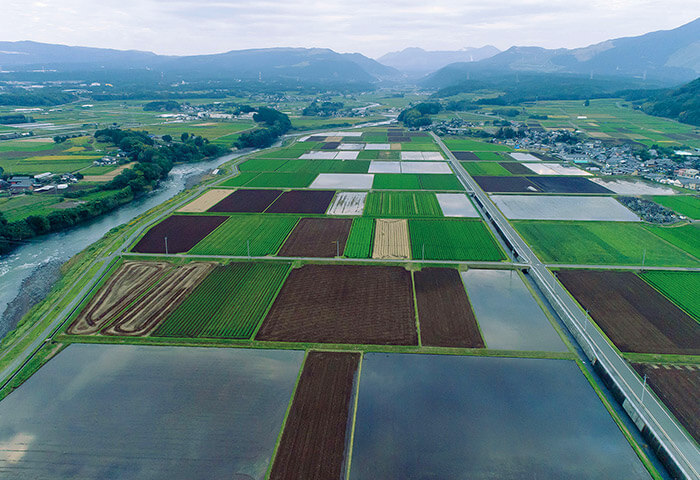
(27, 273)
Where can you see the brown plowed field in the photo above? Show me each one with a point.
(317, 237)
(303, 201)
(567, 185)
(445, 315)
(160, 301)
(678, 386)
(206, 201)
(316, 138)
(330, 145)
(516, 168)
(313, 442)
(391, 239)
(183, 232)
(505, 184)
(343, 304)
(634, 316)
(246, 201)
(466, 156)
(130, 281)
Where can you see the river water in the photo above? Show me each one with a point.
(28, 272)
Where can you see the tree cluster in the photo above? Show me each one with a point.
(419, 115)
(275, 124)
(322, 109)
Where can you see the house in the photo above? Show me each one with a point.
(21, 184)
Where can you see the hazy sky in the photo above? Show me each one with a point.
(367, 26)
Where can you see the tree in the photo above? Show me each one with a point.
(184, 136)
(587, 103)
(167, 138)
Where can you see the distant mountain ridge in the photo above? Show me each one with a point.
(416, 61)
(671, 56)
(309, 64)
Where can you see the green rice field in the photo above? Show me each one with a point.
(453, 239)
(600, 243)
(360, 240)
(240, 179)
(325, 166)
(281, 180)
(680, 287)
(402, 204)
(485, 168)
(264, 233)
(396, 181)
(686, 205)
(229, 303)
(685, 237)
(439, 181)
(261, 165)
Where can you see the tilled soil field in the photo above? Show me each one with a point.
(317, 237)
(130, 281)
(246, 201)
(303, 201)
(678, 386)
(516, 168)
(160, 301)
(343, 304)
(465, 156)
(313, 442)
(634, 316)
(567, 185)
(506, 184)
(182, 231)
(445, 315)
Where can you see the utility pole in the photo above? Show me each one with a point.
(248, 245)
(644, 257)
(644, 388)
(166, 245)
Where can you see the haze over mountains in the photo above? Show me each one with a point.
(669, 57)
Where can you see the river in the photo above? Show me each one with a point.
(28, 272)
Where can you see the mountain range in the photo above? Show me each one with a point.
(416, 61)
(667, 57)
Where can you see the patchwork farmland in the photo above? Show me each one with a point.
(346, 247)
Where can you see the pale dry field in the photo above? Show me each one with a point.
(108, 176)
(206, 201)
(391, 239)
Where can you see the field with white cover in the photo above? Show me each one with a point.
(348, 203)
(524, 157)
(421, 156)
(635, 187)
(456, 205)
(555, 169)
(346, 181)
(329, 155)
(408, 167)
(556, 207)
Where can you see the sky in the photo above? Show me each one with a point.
(371, 27)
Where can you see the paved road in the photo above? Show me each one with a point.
(680, 446)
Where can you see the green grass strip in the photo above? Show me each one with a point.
(360, 240)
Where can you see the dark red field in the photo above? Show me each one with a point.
(183, 233)
(330, 145)
(506, 184)
(465, 156)
(316, 138)
(516, 168)
(317, 237)
(567, 185)
(343, 304)
(246, 201)
(313, 443)
(398, 139)
(445, 315)
(678, 386)
(303, 201)
(634, 316)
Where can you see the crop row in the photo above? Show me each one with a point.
(229, 303)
